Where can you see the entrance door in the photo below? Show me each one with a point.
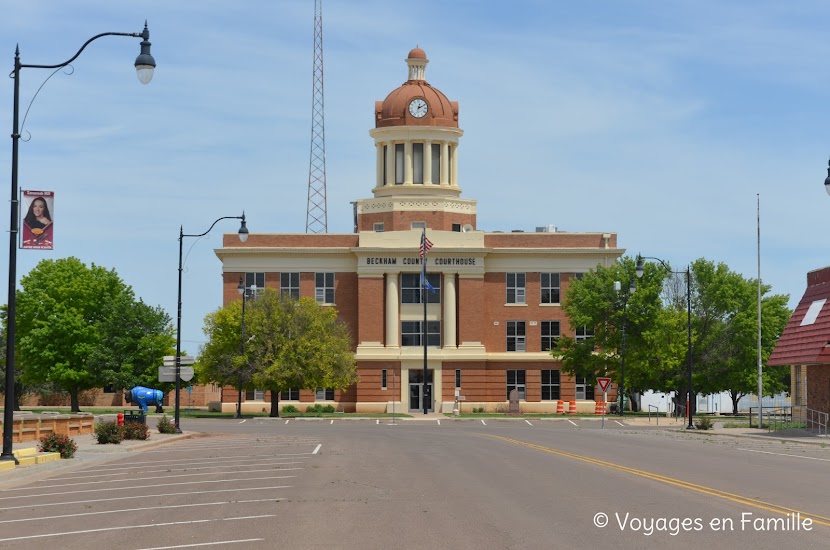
(418, 395)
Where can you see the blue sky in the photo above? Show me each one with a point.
(660, 121)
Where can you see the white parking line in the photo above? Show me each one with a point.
(316, 449)
(163, 477)
(244, 421)
(287, 421)
(572, 422)
(202, 544)
(103, 529)
(438, 420)
(377, 421)
(184, 468)
(147, 487)
(620, 423)
(483, 422)
(528, 421)
(234, 490)
(138, 510)
(332, 421)
(784, 454)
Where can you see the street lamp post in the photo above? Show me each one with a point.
(243, 236)
(244, 292)
(144, 64)
(639, 270)
(631, 289)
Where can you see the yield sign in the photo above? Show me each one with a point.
(603, 384)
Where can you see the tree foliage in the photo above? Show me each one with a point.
(80, 327)
(723, 322)
(288, 344)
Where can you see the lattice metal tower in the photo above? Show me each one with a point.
(316, 220)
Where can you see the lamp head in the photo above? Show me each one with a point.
(639, 269)
(144, 63)
(241, 287)
(243, 230)
(827, 180)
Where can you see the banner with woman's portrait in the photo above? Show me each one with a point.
(36, 215)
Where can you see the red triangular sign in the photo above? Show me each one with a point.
(603, 384)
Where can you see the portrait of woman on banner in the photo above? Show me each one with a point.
(37, 225)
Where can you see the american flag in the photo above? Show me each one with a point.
(426, 244)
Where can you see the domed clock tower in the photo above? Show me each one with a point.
(416, 137)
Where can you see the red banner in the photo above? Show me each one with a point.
(36, 227)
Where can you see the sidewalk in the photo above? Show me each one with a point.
(89, 450)
(790, 435)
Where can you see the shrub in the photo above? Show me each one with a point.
(109, 432)
(165, 426)
(704, 423)
(315, 408)
(327, 409)
(56, 443)
(290, 409)
(136, 430)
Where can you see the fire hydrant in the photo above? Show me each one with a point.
(120, 419)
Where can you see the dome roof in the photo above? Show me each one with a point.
(417, 53)
(394, 110)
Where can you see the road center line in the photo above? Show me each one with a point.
(739, 499)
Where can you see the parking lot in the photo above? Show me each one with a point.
(483, 483)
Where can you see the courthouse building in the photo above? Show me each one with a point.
(496, 310)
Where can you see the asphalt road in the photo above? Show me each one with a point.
(268, 483)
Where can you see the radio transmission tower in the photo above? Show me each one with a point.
(316, 220)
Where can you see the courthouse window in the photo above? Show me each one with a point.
(550, 288)
(417, 163)
(290, 285)
(550, 385)
(516, 379)
(411, 288)
(515, 336)
(291, 394)
(550, 334)
(515, 288)
(254, 284)
(324, 394)
(324, 288)
(412, 333)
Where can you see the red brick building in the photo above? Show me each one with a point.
(495, 312)
(805, 346)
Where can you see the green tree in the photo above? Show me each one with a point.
(221, 359)
(133, 343)
(289, 344)
(723, 321)
(726, 352)
(595, 303)
(74, 326)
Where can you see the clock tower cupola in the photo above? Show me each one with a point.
(416, 136)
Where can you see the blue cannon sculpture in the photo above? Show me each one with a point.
(145, 396)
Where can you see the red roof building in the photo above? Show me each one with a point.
(805, 345)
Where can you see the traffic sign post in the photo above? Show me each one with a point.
(604, 383)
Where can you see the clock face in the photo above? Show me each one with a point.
(418, 108)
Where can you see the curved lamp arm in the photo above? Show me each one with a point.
(144, 63)
(243, 229)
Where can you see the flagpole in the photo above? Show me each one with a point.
(424, 300)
